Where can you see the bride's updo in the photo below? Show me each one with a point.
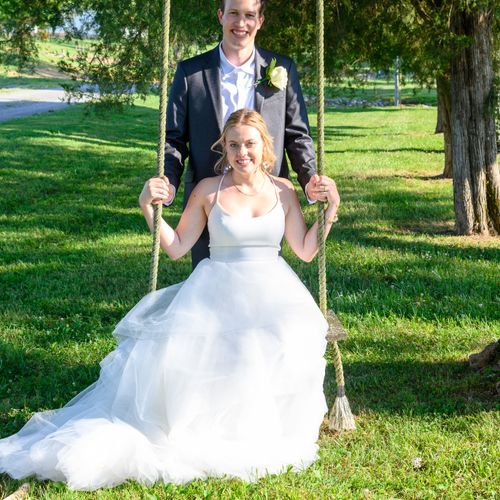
(253, 119)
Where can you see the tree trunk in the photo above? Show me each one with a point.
(397, 65)
(444, 116)
(476, 185)
(439, 121)
(497, 119)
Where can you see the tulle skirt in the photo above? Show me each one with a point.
(221, 374)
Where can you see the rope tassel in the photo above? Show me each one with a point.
(341, 417)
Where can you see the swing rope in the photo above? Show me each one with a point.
(341, 417)
(160, 157)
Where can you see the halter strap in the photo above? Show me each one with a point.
(218, 188)
(275, 187)
(266, 173)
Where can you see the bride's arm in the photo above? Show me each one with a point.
(303, 241)
(176, 242)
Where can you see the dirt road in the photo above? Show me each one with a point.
(17, 103)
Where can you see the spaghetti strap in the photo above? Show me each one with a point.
(275, 188)
(218, 189)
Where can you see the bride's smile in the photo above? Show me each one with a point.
(244, 151)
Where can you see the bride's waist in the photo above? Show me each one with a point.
(257, 253)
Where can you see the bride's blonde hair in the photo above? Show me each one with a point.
(253, 119)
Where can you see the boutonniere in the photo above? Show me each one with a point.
(276, 76)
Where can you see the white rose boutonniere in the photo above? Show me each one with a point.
(276, 76)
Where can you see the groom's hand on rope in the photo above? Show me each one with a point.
(156, 190)
(319, 187)
(332, 196)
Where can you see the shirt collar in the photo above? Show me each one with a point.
(227, 67)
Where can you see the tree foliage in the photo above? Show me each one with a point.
(125, 55)
(18, 20)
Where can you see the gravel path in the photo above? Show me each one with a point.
(25, 102)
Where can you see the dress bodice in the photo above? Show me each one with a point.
(234, 237)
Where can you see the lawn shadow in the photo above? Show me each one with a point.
(414, 387)
(357, 109)
(400, 210)
(71, 184)
(406, 177)
(342, 131)
(37, 380)
(57, 283)
(391, 272)
(422, 280)
(384, 151)
(128, 129)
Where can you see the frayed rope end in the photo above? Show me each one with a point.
(341, 418)
(20, 493)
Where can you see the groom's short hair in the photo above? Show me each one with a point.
(261, 9)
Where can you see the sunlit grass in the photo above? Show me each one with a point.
(415, 299)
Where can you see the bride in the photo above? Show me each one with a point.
(221, 374)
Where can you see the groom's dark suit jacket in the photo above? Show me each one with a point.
(194, 123)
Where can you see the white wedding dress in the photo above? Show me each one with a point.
(221, 374)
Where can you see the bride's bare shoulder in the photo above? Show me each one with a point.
(208, 185)
(206, 189)
(285, 186)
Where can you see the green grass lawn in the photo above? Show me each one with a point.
(11, 79)
(415, 299)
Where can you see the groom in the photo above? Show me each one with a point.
(234, 75)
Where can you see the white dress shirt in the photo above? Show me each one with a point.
(237, 85)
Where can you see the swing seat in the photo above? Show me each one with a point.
(336, 331)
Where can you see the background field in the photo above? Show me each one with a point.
(47, 75)
(415, 299)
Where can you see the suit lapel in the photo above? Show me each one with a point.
(212, 81)
(260, 72)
